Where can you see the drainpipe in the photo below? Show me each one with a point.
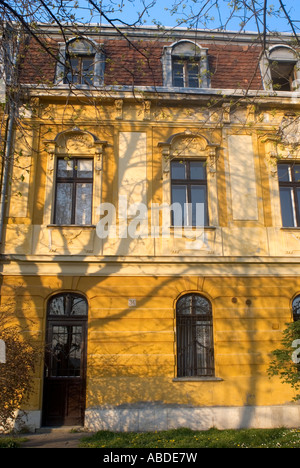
(8, 159)
(6, 166)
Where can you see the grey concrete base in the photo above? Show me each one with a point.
(24, 421)
(155, 417)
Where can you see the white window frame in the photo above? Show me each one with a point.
(280, 53)
(81, 47)
(185, 49)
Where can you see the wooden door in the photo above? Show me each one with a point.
(65, 361)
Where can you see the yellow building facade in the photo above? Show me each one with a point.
(153, 325)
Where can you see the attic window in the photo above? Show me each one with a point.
(281, 73)
(185, 65)
(80, 69)
(81, 63)
(186, 72)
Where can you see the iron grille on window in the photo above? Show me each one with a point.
(195, 351)
(296, 309)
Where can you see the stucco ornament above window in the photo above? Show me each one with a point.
(185, 65)
(289, 129)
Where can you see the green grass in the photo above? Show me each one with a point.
(11, 442)
(186, 438)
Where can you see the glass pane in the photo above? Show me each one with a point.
(201, 306)
(178, 170)
(73, 70)
(87, 70)
(57, 306)
(84, 168)
(178, 79)
(184, 305)
(193, 74)
(287, 207)
(179, 198)
(298, 208)
(63, 206)
(297, 172)
(79, 306)
(83, 208)
(66, 351)
(296, 308)
(65, 168)
(199, 205)
(198, 170)
(193, 304)
(284, 172)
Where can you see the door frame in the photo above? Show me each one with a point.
(65, 383)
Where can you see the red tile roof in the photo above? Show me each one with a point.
(139, 63)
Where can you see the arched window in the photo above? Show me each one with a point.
(280, 68)
(81, 62)
(296, 308)
(67, 305)
(185, 65)
(194, 329)
(282, 62)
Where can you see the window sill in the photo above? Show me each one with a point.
(71, 226)
(295, 228)
(197, 379)
(193, 228)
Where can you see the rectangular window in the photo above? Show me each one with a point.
(283, 75)
(74, 191)
(189, 193)
(289, 189)
(80, 70)
(186, 73)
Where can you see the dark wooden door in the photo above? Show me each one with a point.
(65, 361)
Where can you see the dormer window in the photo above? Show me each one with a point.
(280, 68)
(283, 75)
(80, 69)
(84, 63)
(185, 65)
(186, 72)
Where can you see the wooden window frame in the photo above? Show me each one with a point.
(74, 181)
(77, 71)
(185, 61)
(282, 80)
(294, 185)
(189, 182)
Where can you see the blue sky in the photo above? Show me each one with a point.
(158, 13)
